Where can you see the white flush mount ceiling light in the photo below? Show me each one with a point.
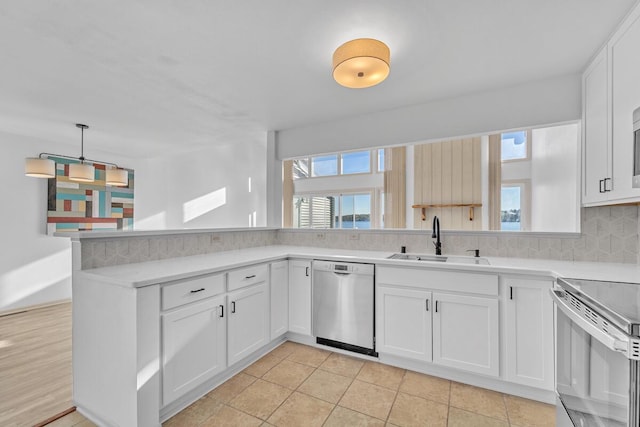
(43, 167)
(361, 63)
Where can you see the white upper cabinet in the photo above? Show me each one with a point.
(624, 49)
(610, 93)
(595, 128)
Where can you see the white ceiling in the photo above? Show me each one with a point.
(157, 76)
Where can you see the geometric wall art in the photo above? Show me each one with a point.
(87, 206)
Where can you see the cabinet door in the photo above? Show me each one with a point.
(465, 333)
(625, 97)
(403, 322)
(300, 297)
(193, 346)
(279, 289)
(596, 132)
(528, 332)
(248, 321)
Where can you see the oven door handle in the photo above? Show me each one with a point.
(619, 344)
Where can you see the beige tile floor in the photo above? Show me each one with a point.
(297, 385)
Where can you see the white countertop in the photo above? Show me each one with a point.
(162, 271)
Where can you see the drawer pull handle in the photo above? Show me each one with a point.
(510, 292)
(233, 306)
(601, 189)
(195, 291)
(427, 304)
(250, 277)
(436, 306)
(306, 271)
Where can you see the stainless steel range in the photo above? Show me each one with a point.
(598, 353)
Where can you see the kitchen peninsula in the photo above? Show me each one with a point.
(136, 324)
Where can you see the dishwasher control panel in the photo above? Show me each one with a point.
(343, 267)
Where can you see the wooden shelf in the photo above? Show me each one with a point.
(471, 207)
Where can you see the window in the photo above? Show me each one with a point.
(358, 162)
(355, 211)
(300, 168)
(510, 208)
(514, 206)
(313, 211)
(329, 211)
(514, 145)
(381, 160)
(324, 165)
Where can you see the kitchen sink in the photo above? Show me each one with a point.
(441, 258)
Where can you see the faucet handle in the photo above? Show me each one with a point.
(477, 252)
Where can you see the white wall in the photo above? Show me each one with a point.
(34, 268)
(553, 100)
(219, 187)
(555, 179)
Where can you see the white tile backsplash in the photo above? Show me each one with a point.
(609, 234)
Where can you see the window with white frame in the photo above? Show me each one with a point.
(341, 190)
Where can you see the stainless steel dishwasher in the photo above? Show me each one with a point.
(343, 305)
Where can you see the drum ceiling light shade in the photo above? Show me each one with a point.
(361, 63)
(117, 177)
(82, 172)
(37, 167)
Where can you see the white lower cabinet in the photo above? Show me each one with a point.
(279, 291)
(404, 322)
(465, 333)
(193, 346)
(248, 321)
(528, 329)
(300, 296)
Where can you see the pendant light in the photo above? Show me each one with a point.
(82, 172)
(361, 63)
(44, 167)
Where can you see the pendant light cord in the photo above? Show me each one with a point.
(82, 145)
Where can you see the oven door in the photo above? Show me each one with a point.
(592, 375)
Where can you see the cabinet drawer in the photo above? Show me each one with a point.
(248, 276)
(475, 283)
(191, 290)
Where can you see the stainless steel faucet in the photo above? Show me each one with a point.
(435, 234)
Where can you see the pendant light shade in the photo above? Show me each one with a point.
(117, 177)
(82, 172)
(37, 167)
(361, 63)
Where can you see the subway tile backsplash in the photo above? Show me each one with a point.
(609, 234)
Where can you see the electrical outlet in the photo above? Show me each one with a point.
(320, 236)
(354, 236)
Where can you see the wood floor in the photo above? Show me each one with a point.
(35, 365)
